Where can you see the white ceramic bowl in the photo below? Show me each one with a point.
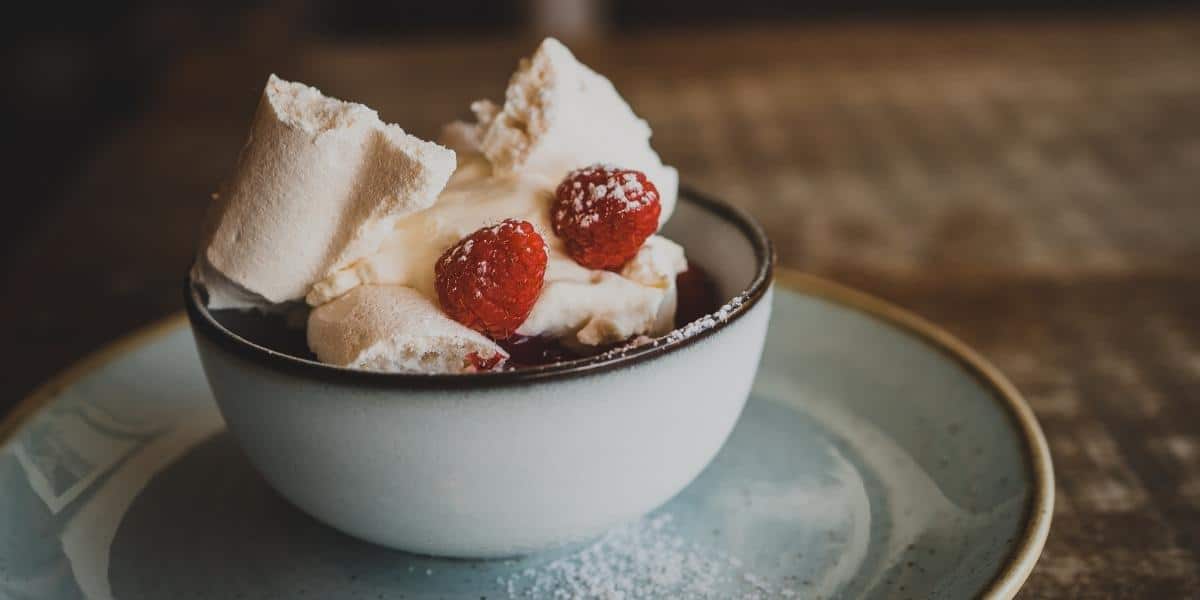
(499, 464)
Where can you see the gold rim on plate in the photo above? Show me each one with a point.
(1011, 576)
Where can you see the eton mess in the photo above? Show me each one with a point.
(526, 236)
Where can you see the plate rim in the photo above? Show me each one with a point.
(1039, 509)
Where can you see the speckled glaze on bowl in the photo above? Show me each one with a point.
(500, 464)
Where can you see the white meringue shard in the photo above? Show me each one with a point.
(318, 185)
(559, 115)
(393, 328)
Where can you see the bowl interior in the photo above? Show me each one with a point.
(721, 239)
(715, 241)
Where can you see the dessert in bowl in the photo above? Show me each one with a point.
(419, 274)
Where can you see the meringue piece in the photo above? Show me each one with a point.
(395, 329)
(460, 136)
(318, 185)
(559, 115)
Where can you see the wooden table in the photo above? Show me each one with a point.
(1032, 185)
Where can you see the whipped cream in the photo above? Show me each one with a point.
(592, 308)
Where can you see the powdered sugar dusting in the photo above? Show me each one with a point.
(706, 322)
(601, 184)
(642, 561)
(696, 327)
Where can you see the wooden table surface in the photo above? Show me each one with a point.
(1031, 185)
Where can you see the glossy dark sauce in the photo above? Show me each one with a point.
(283, 333)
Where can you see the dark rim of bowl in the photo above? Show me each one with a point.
(204, 324)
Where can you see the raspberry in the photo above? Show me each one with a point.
(476, 363)
(490, 279)
(604, 214)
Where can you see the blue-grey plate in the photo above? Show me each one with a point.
(877, 457)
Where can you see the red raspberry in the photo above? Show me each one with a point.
(490, 279)
(476, 363)
(604, 214)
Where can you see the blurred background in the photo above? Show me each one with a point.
(1025, 173)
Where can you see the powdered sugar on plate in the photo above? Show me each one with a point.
(642, 561)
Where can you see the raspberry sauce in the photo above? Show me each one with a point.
(698, 296)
